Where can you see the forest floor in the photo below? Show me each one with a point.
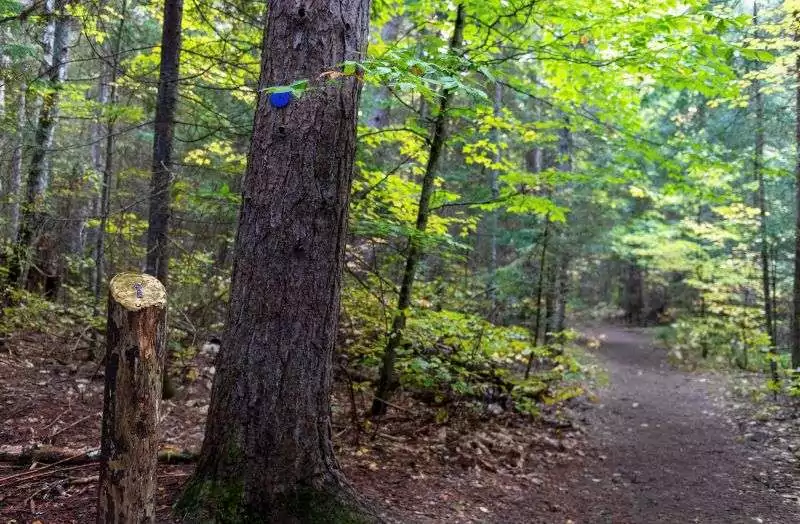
(655, 445)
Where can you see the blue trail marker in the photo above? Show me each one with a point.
(281, 99)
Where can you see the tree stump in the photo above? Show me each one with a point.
(136, 341)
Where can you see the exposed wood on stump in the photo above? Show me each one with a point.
(136, 342)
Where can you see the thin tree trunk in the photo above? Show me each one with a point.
(539, 291)
(15, 181)
(380, 116)
(158, 224)
(633, 294)
(267, 454)
(157, 260)
(494, 187)
(774, 285)
(99, 128)
(104, 163)
(565, 165)
(5, 62)
(39, 172)
(758, 171)
(137, 338)
(550, 301)
(105, 200)
(796, 291)
(387, 381)
(563, 294)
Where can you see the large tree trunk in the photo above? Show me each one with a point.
(33, 212)
(161, 182)
(137, 336)
(387, 382)
(267, 454)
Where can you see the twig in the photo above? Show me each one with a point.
(80, 337)
(65, 428)
(18, 411)
(395, 406)
(15, 477)
(56, 419)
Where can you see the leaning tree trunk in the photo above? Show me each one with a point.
(161, 182)
(136, 335)
(267, 454)
(387, 382)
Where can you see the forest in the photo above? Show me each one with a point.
(345, 261)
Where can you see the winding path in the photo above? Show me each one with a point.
(667, 449)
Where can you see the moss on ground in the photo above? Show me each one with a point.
(207, 502)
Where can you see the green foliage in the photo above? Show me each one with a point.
(447, 356)
(734, 339)
(33, 313)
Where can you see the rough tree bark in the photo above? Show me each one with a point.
(136, 334)
(387, 382)
(158, 223)
(267, 454)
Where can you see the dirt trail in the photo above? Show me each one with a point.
(669, 451)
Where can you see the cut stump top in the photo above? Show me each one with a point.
(135, 291)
